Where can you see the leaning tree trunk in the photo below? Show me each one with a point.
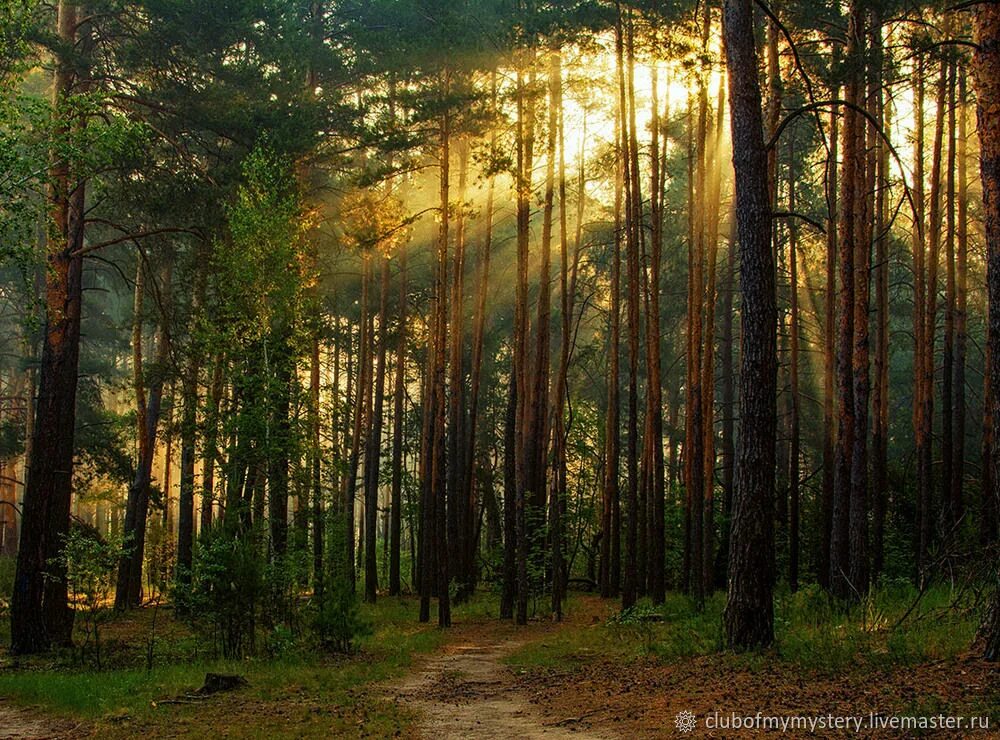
(749, 614)
(987, 76)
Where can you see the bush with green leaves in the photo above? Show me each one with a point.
(91, 563)
(338, 622)
(226, 590)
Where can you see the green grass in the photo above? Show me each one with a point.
(811, 632)
(306, 691)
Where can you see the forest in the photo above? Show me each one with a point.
(499, 368)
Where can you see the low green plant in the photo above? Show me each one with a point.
(91, 562)
(226, 589)
(7, 568)
(338, 622)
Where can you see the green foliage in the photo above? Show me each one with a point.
(11, 438)
(813, 633)
(338, 623)
(7, 567)
(227, 586)
(91, 564)
(126, 699)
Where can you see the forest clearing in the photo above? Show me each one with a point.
(499, 368)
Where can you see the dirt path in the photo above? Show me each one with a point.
(23, 724)
(467, 692)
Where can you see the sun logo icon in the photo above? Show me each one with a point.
(686, 721)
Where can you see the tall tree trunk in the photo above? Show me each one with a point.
(962, 290)
(793, 376)
(524, 447)
(930, 322)
(211, 422)
(508, 593)
(610, 550)
(128, 592)
(986, 68)
(373, 451)
(428, 527)
(727, 399)
(633, 230)
(280, 439)
(749, 614)
(860, 359)
(438, 467)
(950, 502)
(558, 424)
(708, 370)
(654, 392)
(829, 353)
(189, 432)
(694, 447)
(40, 612)
(476, 368)
(921, 444)
(396, 500)
(360, 419)
(849, 254)
(878, 160)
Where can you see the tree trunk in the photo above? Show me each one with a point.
(749, 614)
(879, 164)
(437, 479)
(396, 500)
(930, 324)
(524, 449)
(793, 373)
(128, 592)
(360, 421)
(951, 499)
(849, 263)
(189, 434)
(211, 451)
(962, 291)
(633, 230)
(987, 79)
(373, 451)
(860, 356)
(921, 444)
(610, 552)
(829, 354)
(654, 393)
(40, 613)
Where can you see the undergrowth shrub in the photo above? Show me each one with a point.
(226, 589)
(337, 621)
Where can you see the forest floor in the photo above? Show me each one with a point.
(597, 674)
(588, 678)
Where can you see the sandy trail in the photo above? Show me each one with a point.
(23, 724)
(467, 692)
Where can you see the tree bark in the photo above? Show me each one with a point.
(373, 451)
(986, 69)
(396, 496)
(749, 614)
(128, 592)
(40, 612)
